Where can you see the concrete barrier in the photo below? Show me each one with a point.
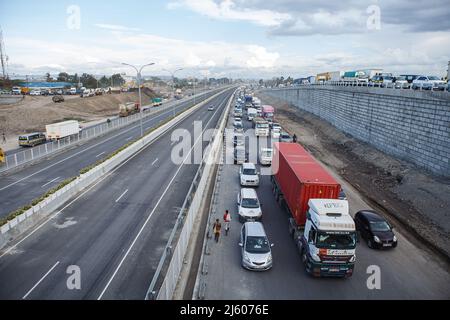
(200, 184)
(41, 210)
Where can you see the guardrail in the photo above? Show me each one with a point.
(359, 83)
(31, 154)
(34, 214)
(185, 220)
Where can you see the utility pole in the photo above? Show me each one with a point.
(172, 73)
(139, 88)
(3, 57)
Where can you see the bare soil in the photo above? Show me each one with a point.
(412, 198)
(33, 112)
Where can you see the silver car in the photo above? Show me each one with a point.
(255, 247)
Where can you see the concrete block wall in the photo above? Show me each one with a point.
(414, 128)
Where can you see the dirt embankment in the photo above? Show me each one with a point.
(418, 202)
(34, 112)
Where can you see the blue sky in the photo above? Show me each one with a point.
(234, 38)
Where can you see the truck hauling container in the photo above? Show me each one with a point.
(319, 223)
(61, 130)
(125, 109)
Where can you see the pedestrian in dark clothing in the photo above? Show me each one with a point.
(216, 229)
(4, 137)
(294, 138)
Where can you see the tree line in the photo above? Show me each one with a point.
(88, 80)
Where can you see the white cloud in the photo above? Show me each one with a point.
(115, 27)
(260, 57)
(228, 10)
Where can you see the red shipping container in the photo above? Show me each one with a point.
(300, 178)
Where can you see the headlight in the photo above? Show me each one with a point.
(353, 258)
(376, 239)
(395, 239)
(269, 259)
(246, 258)
(315, 257)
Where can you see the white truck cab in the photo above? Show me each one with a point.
(328, 241)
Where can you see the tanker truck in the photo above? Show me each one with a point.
(125, 109)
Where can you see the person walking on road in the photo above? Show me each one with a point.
(227, 220)
(3, 137)
(294, 138)
(216, 229)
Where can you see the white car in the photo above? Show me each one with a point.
(256, 250)
(211, 108)
(265, 156)
(428, 83)
(35, 92)
(275, 133)
(248, 175)
(248, 205)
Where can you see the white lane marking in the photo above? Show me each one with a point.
(40, 280)
(154, 161)
(129, 138)
(80, 152)
(50, 182)
(83, 193)
(100, 154)
(155, 207)
(120, 197)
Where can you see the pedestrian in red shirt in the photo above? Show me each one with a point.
(227, 220)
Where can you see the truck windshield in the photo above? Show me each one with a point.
(262, 125)
(257, 245)
(336, 240)
(249, 203)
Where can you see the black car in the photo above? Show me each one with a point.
(375, 230)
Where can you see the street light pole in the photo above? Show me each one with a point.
(172, 73)
(138, 74)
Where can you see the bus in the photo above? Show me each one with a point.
(32, 139)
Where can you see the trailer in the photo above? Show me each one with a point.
(319, 223)
(61, 130)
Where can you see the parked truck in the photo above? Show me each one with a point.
(319, 223)
(126, 109)
(61, 130)
(268, 112)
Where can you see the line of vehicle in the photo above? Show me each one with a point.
(154, 208)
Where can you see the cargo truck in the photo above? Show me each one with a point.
(248, 100)
(261, 128)
(251, 113)
(268, 112)
(61, 130)
(156, 102)
(319, 223)
(125, 109)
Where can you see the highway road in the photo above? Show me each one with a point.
(407, 272)
(115, 231)
(21, 187)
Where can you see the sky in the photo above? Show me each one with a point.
(226, 38)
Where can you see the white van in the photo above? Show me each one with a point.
(248, 205)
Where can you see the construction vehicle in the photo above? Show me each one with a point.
(2, 156)
(58, 98)
(319, 222)
(125, 109)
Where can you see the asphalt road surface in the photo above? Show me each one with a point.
(114, 232)
(407, 272)
(20, 188)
